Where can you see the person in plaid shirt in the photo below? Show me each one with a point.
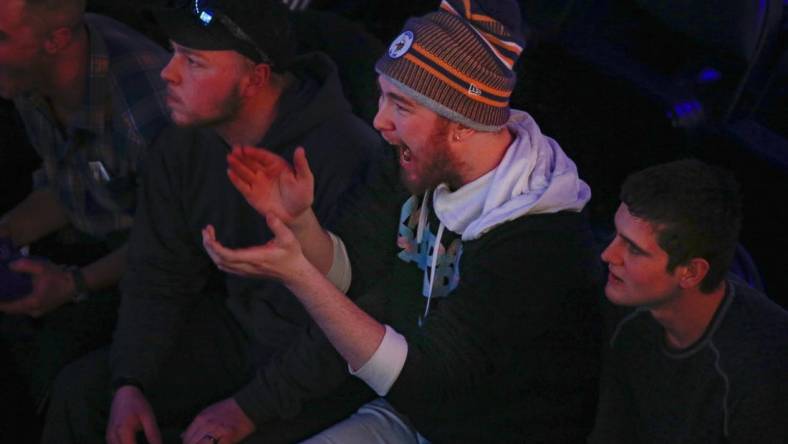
(89, 93)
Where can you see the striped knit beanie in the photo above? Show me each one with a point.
(458, 60)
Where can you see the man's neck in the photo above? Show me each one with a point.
(483, 153)
(687, 317)
(64, 85)
(256, 115)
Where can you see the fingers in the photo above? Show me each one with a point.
(203, 428)
(210, 243)
(240, 169)
(302, 170)
(121, 434)
(224, 258)
(25, 265)
(248, 262)
(258, 160)
(238, 183)
(220, 254)
(261, 155)
(126, 436)
(194, 433)
(15, 307)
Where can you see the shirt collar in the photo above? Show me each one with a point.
(92, 116)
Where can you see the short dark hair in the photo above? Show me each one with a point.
(56, 13)
(695, 210)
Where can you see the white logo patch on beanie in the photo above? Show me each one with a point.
(401, 45)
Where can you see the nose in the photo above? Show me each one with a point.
(169, 74)
(610, 255)
(382, 122)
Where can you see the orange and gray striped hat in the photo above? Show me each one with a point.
(458, 61)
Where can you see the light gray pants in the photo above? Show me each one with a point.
(376, 422)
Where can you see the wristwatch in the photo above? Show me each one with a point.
(80, 285)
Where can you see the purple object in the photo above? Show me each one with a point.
(13, 285)
(7, 251)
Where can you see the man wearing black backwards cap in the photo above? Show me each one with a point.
(191, 343)
(476, 324)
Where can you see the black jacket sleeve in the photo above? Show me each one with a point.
(311, 367)
(164, 275)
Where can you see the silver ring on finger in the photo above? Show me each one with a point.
(211, 438)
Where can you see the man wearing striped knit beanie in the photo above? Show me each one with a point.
(476, 325)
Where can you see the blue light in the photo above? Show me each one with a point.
(709, 75)
(206, 17)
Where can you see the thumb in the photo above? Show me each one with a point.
(278, 228)
(302, 170)
(26, 265)
(151, 430)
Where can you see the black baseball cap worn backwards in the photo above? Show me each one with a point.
(258, 29)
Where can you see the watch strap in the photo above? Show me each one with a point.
(80, 286)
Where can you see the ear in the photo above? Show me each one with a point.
(692, 273)
(258, 78)
(460, 133)
(58, 39)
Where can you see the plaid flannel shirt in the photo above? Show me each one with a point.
(93, 163)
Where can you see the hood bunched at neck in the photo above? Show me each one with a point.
(535, 176)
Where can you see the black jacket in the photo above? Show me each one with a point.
(186, 188)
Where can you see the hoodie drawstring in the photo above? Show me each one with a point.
(435, 249)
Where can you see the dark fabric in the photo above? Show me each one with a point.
(351, 48)
(511, 354)
(18, 159)
(208, 360)
(187, 188)
(40, 348)
(729, 387)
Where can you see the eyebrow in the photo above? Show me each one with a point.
(633, 244)
(184, 50)
(394, 96)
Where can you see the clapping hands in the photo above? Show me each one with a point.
(269, 184)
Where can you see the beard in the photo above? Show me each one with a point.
(19, 80)
(434, 165)
(223, 112)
